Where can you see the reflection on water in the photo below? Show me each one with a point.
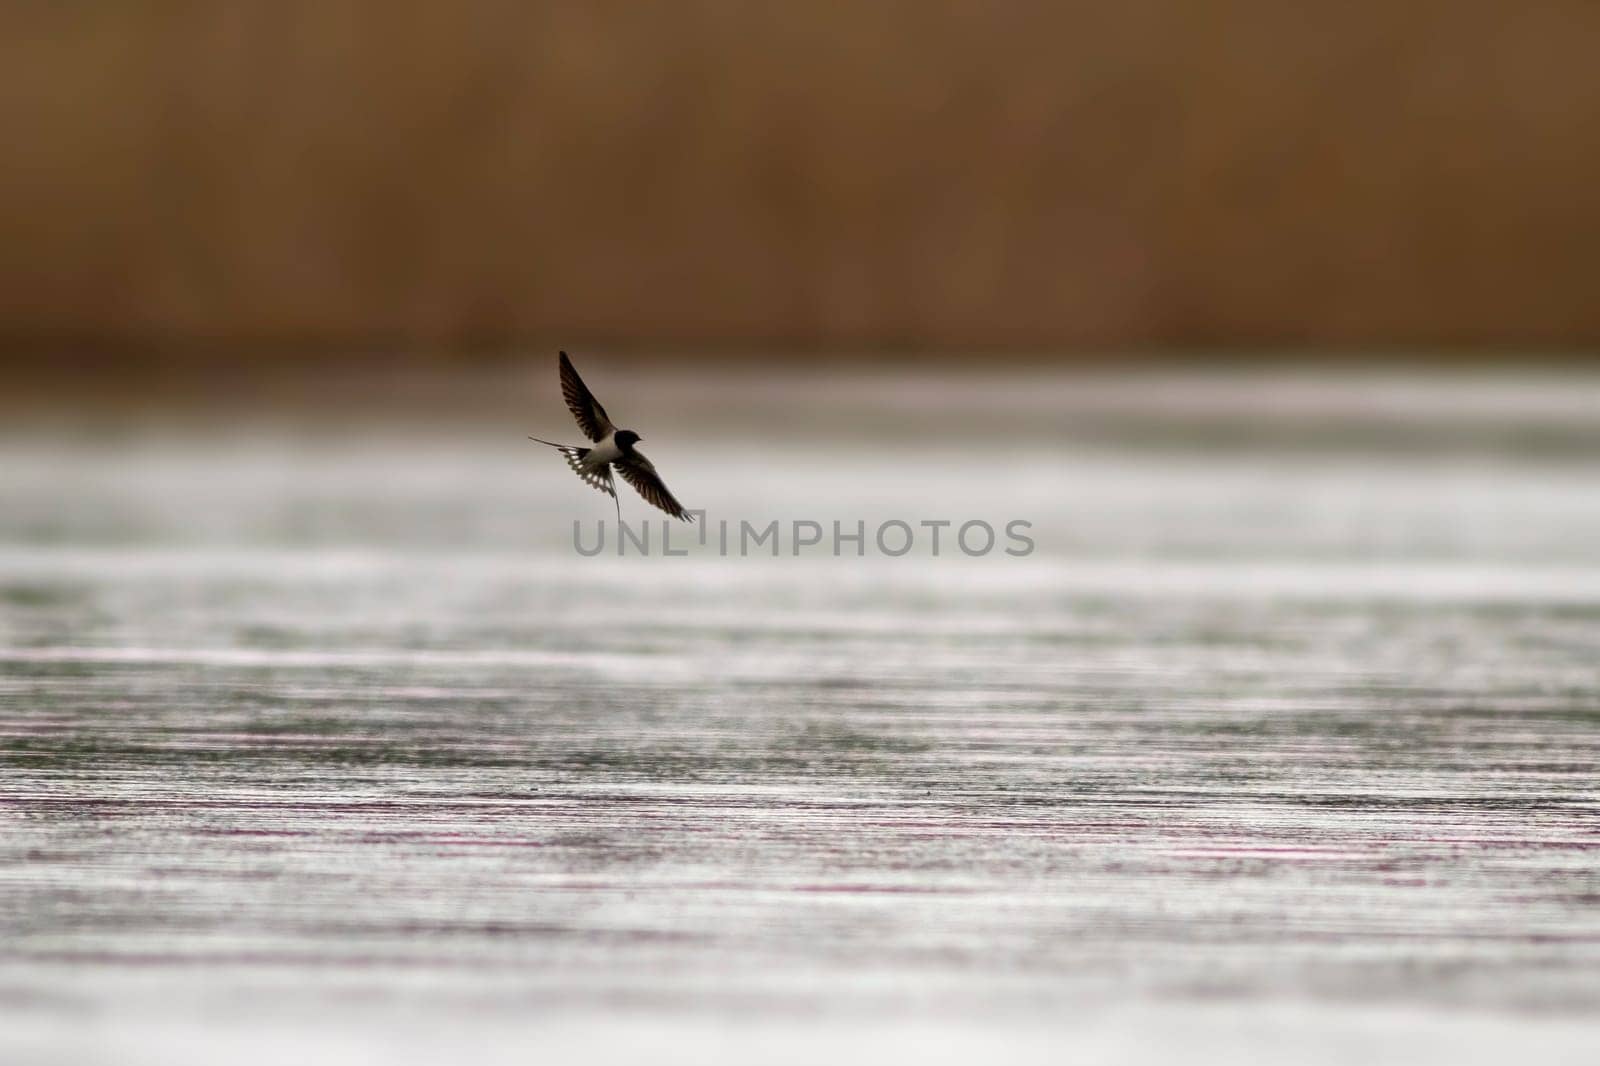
(325, 742)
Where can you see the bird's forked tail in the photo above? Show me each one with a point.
(598, 477)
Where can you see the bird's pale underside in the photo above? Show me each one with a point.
(613, 449)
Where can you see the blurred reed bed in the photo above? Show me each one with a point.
(298, 175)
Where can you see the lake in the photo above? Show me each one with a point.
(321, 743)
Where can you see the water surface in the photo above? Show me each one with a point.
(320, 743)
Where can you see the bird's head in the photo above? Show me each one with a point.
(627, 438)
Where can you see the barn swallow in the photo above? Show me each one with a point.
(613, 449)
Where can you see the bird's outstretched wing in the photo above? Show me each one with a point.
(641, 474)
(591, 417)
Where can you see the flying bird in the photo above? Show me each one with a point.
(613, 449)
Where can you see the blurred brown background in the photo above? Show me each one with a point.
(369, 175)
